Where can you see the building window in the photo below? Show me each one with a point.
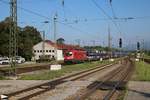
(49, 50)
(43, 50)
(37, 50)
(40, 50)
(46, 50)
(34, 51)
(53, 51)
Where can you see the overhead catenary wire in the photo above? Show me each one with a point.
(27, 10)
(115, 17)
(63, 5)
(85, 19)
(94, 19)
(74, 28)
(109, 18)
(40, 15)
(82, 20)
(103, 11)
(113, 12)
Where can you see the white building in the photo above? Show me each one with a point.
(47, 49)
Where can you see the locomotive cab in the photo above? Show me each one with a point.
(68, 54)
(75, 56)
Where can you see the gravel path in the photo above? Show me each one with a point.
(8, 86)
(138, 91)
(63, 91)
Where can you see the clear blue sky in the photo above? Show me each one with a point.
(88, 27)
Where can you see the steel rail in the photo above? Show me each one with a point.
(126, 74)
(92, 88)
(51, 85)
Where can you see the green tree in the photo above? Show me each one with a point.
(27, 37)
(4, 37)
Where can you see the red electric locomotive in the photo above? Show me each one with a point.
(75, 56)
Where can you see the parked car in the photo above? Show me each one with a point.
(20, 59)
(4, 61)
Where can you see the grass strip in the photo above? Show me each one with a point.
(146, 56)
(142, 72)
(47, 74)
(3, 78)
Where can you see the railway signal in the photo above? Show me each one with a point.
(120, 45)
(120, 42)
(138, 45)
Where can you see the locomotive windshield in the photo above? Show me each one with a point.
(68, 53)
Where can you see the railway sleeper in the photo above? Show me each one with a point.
(110, 85)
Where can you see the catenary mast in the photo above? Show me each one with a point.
(13, 34)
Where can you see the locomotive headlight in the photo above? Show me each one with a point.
(70, 53)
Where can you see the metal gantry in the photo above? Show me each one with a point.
(13, 34)
(55, 35)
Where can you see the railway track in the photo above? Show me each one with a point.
(30, 92)
(6, 71)
(147, 60)
(125, 76)
(111, 82)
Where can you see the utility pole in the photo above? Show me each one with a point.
(83, 42)
(55, 34)
(78, 42)
(109, 42)
(13, 35)
(143, 50)
(43, 45)
(103, 43)
(109, 38)
(93, 41)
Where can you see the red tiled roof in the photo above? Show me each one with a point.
(63, 46)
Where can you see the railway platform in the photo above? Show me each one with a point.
(138, 91)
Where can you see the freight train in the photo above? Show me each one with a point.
(76, 56)
(69, 53)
